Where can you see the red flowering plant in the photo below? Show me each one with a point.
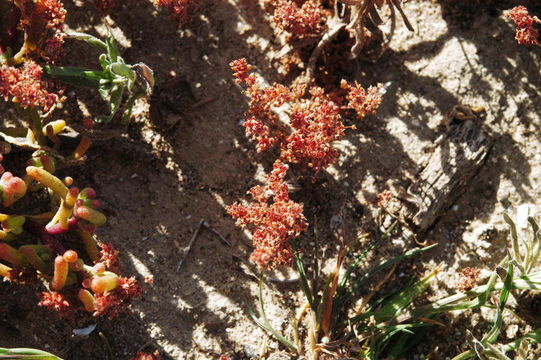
(32, 240)
(313, 25)
(180, 10)
(273, 219)
(526, 33)
(303, 124)
(313, 121)
(300, 19)
(31, 248)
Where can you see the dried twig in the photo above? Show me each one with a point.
(335, 25)
(217, 233)
(191, 243)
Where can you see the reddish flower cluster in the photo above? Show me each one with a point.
(363, 101)
(112, 303)
(53, 12)
(57, 302)
(26, 86)
(262, 101)
(146, 356)
(273, 219)
(108, 255)
(468, 279)
(180, 9)
(316, 123)
(242, 71)
(43, 23)
(526, 34)
(301, 21)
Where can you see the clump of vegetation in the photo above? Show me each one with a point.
(334, 321)
(181, 10)
(526, 33)
(32, 241)
(49, 221)
(313, 26)
(312, 123)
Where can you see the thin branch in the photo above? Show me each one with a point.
(191, 243)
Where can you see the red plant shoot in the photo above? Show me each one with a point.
(315, 121)
(272, 219)
(300, 20)
(55, 301)
(526, 33)
(180, 9)
(26, 86)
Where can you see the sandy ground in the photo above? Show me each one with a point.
(190, 158)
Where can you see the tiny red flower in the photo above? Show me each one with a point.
(526, 33)
(301, 21)
(363, 101)
(468, 279)
(56, 302)
(114, 302)
(180, 9)
(108, 255)
(383, 198)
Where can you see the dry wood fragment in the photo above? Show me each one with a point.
(456, 158)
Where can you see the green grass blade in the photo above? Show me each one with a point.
(26, 354)
(324, 296)
(386, 264)
(342, 292)
(536, 245)
(264, 322)
(302, 274)
(514, 238)
(534, 337)
(403, 299)
(389, 333)
(87, 38)
(494, 332)
(365, 252)
(267, 327)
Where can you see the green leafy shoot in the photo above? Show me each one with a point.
(119, 84)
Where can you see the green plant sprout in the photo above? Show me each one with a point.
(118, 83)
